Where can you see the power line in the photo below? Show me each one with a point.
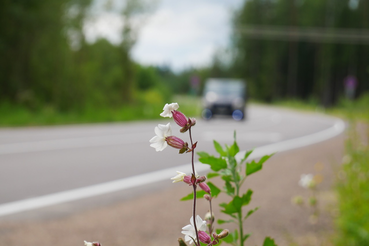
(317, 35)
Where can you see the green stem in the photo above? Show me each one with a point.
(239, 214)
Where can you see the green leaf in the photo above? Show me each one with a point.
(216, 164)
(247, 154)
(219, 148)
(234, 149)
(229, 209)
(265, 158)
(212, 175)
(251, 212)
(225, 221)
(237, 203)
(214, 190)
(202, 154)
(246, 198)
(256, 166)
(246, 237)
(223, 204)
(227, 178)
(199, 194)
(233, 206)
(253, 167)
(269, 242)
(229, 189)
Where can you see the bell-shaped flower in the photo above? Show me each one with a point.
(205, 187)
(177, 143)
(204, 237)
(159, 141)
(179, 118)
(168, 108)
(189, 230)
(179, 177)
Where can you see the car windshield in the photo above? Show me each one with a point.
(225, 88)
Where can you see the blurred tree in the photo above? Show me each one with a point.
(34, 50)
(293, 49)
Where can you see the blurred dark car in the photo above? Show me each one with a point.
(224, 97)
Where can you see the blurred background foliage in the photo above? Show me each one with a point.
(48, 68)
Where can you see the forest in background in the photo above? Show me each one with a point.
(302, 49)
(46, 61)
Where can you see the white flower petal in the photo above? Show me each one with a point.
(189, 230)
(179, 177)
(162, 131)
(159, 145)
(168, 108)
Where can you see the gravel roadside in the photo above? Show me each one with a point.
(157, 218)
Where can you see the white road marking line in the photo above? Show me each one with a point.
(71, 143)
(147, 178)
(250, 137)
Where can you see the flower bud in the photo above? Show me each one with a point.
(181, 242)
(187, 179)
(207, 197)
(176, 142)
(209, 217)
(223, 234)
(201, 179)
(205, 187)
(204, 237)
(179, 118)
(192, 121)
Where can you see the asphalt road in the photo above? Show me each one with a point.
(41, 161)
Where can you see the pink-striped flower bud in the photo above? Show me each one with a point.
(204, 237)
(177, 143)
(187, 179)
(205, 187)
(201, 179)
(179, 118)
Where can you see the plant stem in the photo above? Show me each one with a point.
(194, 188)
(239, 214)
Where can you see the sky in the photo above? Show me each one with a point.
(176, 33)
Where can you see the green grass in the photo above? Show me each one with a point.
(20, 116)
(353, 192)
(15, 115)
(352, 184)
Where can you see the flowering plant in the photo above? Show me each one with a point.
(310, 182)
(233, 171)
(199, 231)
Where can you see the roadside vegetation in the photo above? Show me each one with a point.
(352, 183)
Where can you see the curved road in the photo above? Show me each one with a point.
(52, 165)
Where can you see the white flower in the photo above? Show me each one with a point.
(306, 180)
(189, 230)
(168, 108)
(162, 131)
(92, 244)
(179, 177)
